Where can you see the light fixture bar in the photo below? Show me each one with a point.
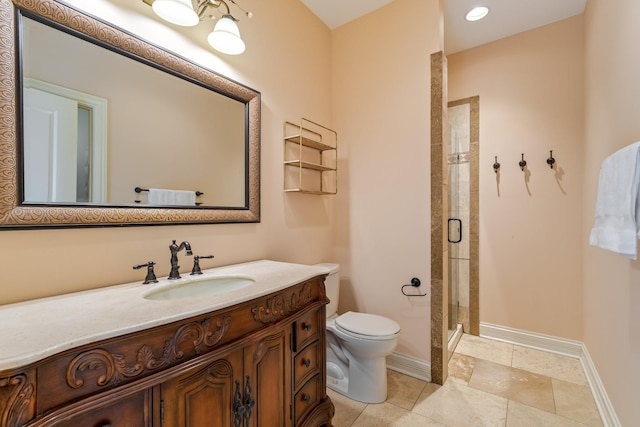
(225, 36)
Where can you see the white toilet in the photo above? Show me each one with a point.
(357, 346)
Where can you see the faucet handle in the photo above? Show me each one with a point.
(196, 263)
(151, 276)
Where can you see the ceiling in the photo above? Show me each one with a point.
(506, 17)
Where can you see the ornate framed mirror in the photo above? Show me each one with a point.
(142, 147)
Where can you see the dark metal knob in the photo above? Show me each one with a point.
(306, 362)
(306, 326)
(306, 398)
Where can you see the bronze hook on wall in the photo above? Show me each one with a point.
(551, 161)
(522, 163)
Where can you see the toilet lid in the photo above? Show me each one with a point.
(367, 324)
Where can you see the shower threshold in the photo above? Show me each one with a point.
(454, 338)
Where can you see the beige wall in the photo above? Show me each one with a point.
(288, 59)
(381, 96)
(531, 101)
(611, 282)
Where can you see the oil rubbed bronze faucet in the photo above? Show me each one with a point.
(174, 248)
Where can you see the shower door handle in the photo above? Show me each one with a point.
(458, 222)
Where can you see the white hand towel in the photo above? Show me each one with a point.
(160, 196)
(616, 224)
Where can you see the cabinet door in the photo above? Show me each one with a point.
(132, 411)
(204, 398)
(269, 379)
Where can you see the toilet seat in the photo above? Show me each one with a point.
(367, 326)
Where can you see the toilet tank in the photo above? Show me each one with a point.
(332, 286)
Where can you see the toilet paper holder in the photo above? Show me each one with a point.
(415, 282)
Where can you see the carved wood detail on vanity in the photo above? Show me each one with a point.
(279, 306)
(14, 406)
(197, 336)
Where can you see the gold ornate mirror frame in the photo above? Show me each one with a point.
(15, 215)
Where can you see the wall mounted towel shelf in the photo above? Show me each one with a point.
(310, 158)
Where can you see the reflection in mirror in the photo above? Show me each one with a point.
(64, 144)
(161, 131)
(81, 133)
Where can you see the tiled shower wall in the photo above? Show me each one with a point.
(439, 216)
(439, 208)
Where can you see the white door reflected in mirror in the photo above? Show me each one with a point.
(61, 161)
(50, 147)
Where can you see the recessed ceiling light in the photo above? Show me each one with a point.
(477, 13)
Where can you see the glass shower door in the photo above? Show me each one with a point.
(458, 228)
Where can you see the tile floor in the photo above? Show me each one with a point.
(490, 383)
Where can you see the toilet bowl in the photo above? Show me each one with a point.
(357, 346)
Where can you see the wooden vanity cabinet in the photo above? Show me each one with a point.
(260, 363)
(247, 387)
(202, 396)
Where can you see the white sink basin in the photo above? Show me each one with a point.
(200, 288)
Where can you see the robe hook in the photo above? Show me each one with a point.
(522, 163)
(496, 165)
(551, 161)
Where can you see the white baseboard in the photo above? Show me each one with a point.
(533, 340)
(565, 347)
(608, 414)
(411, 366)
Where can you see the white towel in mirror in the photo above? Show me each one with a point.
(161, 196)
(617, 216)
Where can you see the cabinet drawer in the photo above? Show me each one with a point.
(306, 398)
(132, 411)
(305, 364)
(307, 329)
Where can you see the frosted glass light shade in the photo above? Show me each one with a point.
(225, 37)
(179, 12)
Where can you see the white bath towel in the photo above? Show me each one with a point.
(161, 196)
(616, 224)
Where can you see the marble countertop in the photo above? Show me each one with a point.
(33, 330)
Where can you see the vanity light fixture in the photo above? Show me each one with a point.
(477, 13)
(179, 12)
(225, 36)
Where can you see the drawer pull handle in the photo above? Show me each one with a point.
(248, 401)
(306, 362)
(306, 398)
(238, 408)
(242, 404)
(306, 326)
